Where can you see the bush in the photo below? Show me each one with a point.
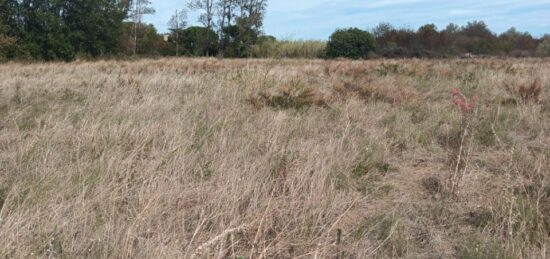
(351, 43)
(5, 42)
(544, 47)
(200, 41)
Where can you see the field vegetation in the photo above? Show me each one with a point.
(209, 158)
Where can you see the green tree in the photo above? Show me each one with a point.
(139, 8)
(544, 47)
(477, 38)
(241, 23)
(428, 36)
(194, 40)
(513, 42)
(150, 42)
(5, 40)
(95, 25)
(177, 24)
(351, 43)
(207, 7)
(44, 33)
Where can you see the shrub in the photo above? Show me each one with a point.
(531, 92)
(351, 43)
(5, 40)
(544, 47)
(200, 41)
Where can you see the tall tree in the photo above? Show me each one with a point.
(239, 36)
(43, 32)
(226, 13)
(253, 11)
(138, 10)
(95, 25)
(177, 23)
(5, 40)
(206, 7)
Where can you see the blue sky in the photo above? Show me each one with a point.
(317, 19)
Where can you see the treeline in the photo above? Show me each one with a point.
(59, 29)
(474, 38)
(69, 29)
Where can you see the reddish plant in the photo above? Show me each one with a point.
(461, 102)
(465, 107)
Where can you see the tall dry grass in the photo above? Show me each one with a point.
(182, 158)
(306, 49)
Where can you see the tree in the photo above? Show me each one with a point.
(95, 25)
(42, 33)
(194, 39)
(151, 43)
(383, 30)
(517, 43)
(5, 40)
(477, 29)
(351, 43)
(177, 23)
(242, 26)
(139, 9)
(544, 47)
(451, 28)
(206, 17)
(476, 38)
(226, 12)
(428, 36)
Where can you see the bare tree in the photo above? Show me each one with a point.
(138, 10)
(206, 17)
(227, 13)
(252, 13)
(177, 23)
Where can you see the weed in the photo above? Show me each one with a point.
(527, 92)
(531, 92)
(480, 218)
(17, 98)
(388, 68)
(432, 185)
(460, 153)
(3, 197)
(69, 95)
(477, 248)
(287, 100)
(484, 133)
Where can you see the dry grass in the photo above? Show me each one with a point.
(181, 158)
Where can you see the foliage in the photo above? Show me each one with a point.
(544, 47)
(53, 30)
(95, 26)
(199, 41)
(473, 38)
(351, 43)
(150, 42)
(65, 29)
(5, 40)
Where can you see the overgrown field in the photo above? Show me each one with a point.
(206, 158)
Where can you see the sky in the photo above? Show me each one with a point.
(317, 19)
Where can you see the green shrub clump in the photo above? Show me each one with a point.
(351, 43)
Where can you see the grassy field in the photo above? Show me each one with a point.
(206, 158)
